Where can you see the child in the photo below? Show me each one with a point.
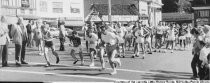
(48, 43)
(75, 42)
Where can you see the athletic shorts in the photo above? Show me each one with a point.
(77, 49)
(148, 40)
(38, 42)
(171, 38)
(158, 36)
(48, 44)
(92, 49)
(182, 37)
(140, 40)
(110, 48)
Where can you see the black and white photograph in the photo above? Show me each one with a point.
(105, 41)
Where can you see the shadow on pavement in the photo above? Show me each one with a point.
(88, 74)
(77, 69)
(167, 75)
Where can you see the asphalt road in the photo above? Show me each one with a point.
(158, 66)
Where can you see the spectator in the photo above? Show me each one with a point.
(29, 31)
(4, 37)
(19, 35)
(62, 35)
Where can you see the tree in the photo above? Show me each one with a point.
(184, 6)
(170, 6)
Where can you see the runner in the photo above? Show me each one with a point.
(147, 38)
(159, 34)
(139, 34)
(92, 38)
(111, 40)
(48, 44)
(76, 44)
(121, 32)
(171, 37)
(182, 37)
(128, 36)
(38, 37)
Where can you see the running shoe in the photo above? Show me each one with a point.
(75, 61)
(57, 60)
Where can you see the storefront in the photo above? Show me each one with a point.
(202, 15)
(120, 13)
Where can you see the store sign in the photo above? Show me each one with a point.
(75, 8)
(25, 3)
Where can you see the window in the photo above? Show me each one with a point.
(31, 11)
(5, 2)
(25, 3)
(22, 11)
(43, 6)
(57, 7)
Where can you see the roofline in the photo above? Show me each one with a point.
(201, 8)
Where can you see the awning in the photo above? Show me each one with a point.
(74, 23)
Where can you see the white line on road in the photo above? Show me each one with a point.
(56, 74)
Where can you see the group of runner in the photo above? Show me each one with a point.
(112, 39)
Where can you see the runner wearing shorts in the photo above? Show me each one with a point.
(139, 34)
(75, 43)
(147, 38)
(48, 44)
(38, 37)
(92, 38)
(182, 36)
(110, 40)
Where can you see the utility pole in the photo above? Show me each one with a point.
(110, 11)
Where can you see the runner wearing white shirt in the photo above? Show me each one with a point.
(139, 34)
(147, 38)
(111, 39)
(159, 35)
(171, 37)
(121, 31)
(128, 37)
(92, 38)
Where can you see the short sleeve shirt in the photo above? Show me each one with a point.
(75, 40)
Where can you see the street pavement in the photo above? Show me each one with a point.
(158, 66)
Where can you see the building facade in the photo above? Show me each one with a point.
(155, 12)
(18, 8)
(149, 10)
(71, 11)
